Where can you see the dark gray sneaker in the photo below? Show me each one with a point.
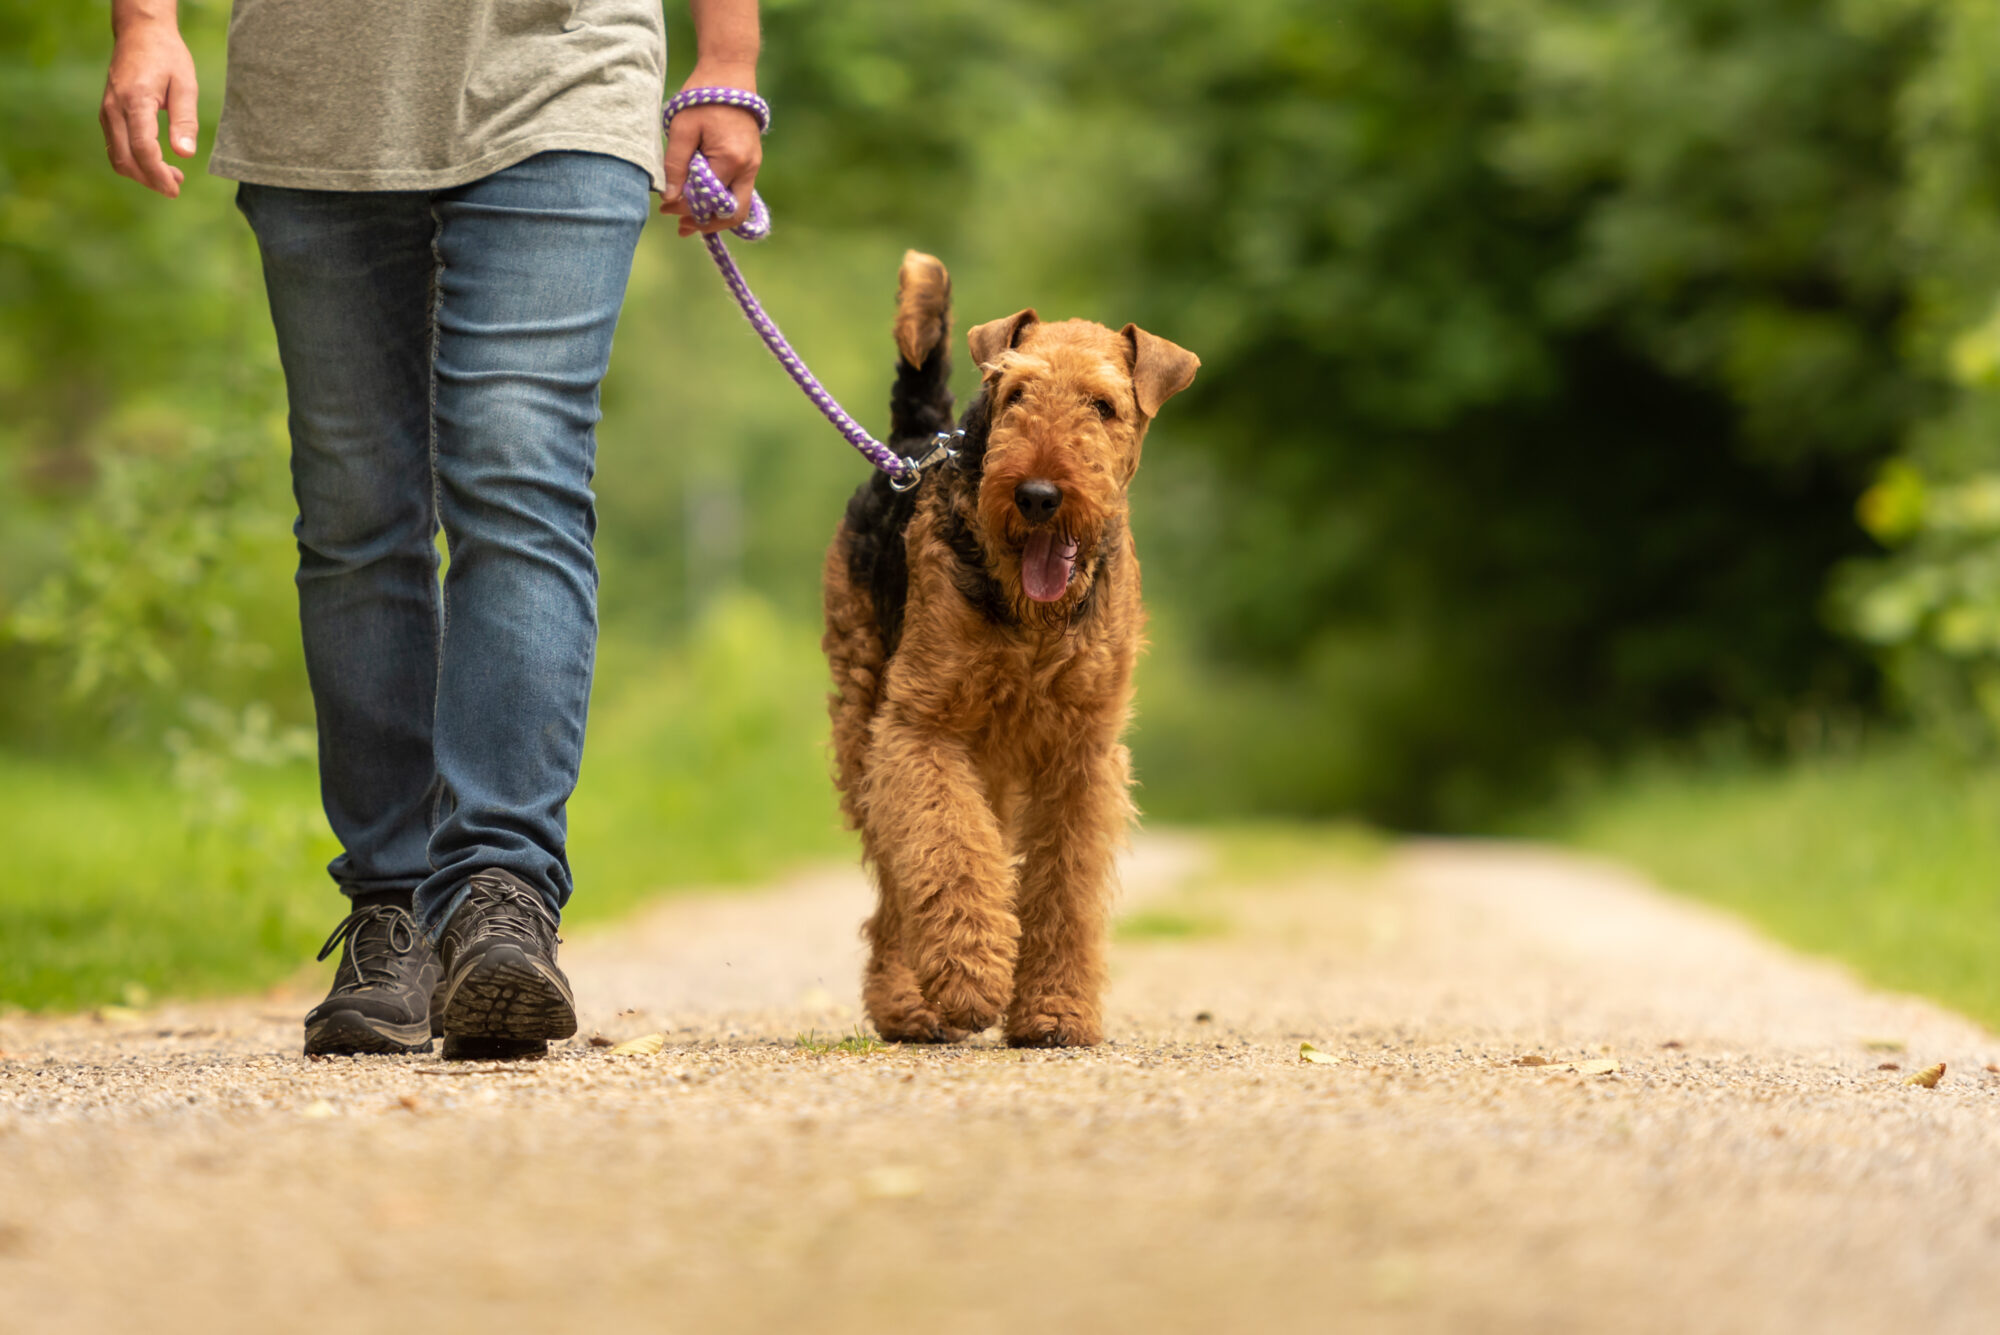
(503, 994)
(382, 991)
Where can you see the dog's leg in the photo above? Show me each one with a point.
(941, 847)
(890, 992)
(1073, 823)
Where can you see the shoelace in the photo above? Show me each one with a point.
(372, 951)
(512, 911)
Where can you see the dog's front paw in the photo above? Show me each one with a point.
(964, 1000)
(1053, 1029)
(905, 1019)
(918, 1031)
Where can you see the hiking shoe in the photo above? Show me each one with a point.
(503, 994)
(382, 991)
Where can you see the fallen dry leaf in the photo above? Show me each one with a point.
(1590, 1066)
(1991, 1067)
(1673, 1043)
(118, 1015)
(1926, 1078)
(1883, 1044)
(600, 1041)
(643, 1046)
(1890, 1066)
(1309, 1053)
(411, 1103)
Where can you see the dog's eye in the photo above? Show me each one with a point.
(1104, 408)
(1013, 396)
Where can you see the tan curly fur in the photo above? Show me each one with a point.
(980, 757)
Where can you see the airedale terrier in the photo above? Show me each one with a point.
(981, 629)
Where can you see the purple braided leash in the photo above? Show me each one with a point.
(708, 199)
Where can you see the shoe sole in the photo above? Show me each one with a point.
(458, 1048)
(503, 1004)
(351, 1034)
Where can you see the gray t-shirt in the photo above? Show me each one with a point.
(426, 94)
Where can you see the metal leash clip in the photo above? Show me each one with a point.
(942, 450)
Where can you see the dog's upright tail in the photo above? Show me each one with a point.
(920, 404)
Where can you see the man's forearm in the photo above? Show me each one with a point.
(127, 14)
(725, 37)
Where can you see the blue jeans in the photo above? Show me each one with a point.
(442, 354)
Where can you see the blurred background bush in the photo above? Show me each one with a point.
(1580, 383)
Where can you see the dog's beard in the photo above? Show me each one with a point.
(1048, 563)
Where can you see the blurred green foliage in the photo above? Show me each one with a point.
(144, 516)
(1933, 607)
(1548, 347)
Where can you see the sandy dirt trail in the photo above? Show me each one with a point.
(1747, 1169)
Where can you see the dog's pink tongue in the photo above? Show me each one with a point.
(1046, 565)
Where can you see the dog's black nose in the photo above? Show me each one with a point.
(1037, 499)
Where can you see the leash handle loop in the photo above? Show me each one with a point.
(708, 199)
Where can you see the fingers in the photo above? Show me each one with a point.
(739, 177)
(735, 155)
(183, 121)
(738, 173)
(683, 138)
(117, 127)
(142, 133)
(112, 121)
(743, 185)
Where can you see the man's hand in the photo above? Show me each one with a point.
(727, 136)
(151, 71)
(726, 42)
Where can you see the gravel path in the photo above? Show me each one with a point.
(1748, 1167)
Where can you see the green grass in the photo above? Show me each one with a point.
(858, 1041)
(113, 890)
(706, 766)
(1888, 861)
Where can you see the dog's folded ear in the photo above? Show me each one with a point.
(1160, 369)
(994, 337)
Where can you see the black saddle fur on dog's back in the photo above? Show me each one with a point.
(920, 406)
